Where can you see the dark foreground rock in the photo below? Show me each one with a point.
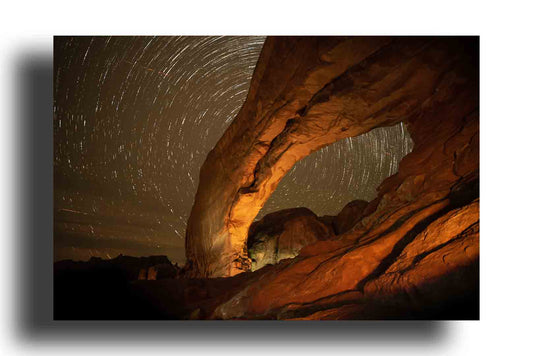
(101, 288)
(152, 267)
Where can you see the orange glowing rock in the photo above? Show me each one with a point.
(308, 92)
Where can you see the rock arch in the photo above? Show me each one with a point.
(306, 93)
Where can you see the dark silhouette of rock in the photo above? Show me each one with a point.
(132, 268)
(102, 288)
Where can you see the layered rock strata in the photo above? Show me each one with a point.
(308, 92)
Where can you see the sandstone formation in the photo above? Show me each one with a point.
(283, 234)
(413, 252)
(349, 216)
(308, 92)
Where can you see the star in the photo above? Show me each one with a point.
(134, 119)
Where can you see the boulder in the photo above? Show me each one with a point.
(349, 216)
(283, 234)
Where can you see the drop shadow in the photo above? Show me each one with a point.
(34, 176)
(34, 256)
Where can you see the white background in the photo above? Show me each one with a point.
(506, 173)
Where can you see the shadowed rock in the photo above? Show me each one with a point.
(131, 268)
(349, 216)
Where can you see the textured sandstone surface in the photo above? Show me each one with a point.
(411, 252)
(308, 92)
(349, 216)
(283, 234)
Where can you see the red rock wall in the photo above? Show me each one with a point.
(308, 92)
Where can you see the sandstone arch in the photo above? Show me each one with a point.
(306, 93)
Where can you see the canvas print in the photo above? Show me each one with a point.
(266, 178)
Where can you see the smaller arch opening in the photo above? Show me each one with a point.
(347, 170)
(325, 194)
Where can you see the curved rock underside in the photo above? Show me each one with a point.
(415, 246)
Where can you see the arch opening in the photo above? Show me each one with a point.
(350, 169)
(325, 194)
(347, 87)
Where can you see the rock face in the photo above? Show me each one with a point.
(349, 216)
(415, 251)
(283, 234)
(308, 92)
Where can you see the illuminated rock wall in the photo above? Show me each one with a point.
(308, 92)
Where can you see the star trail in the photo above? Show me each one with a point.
(134, 119)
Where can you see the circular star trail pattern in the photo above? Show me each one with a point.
(134, 119)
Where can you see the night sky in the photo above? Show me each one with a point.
(134, 119)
